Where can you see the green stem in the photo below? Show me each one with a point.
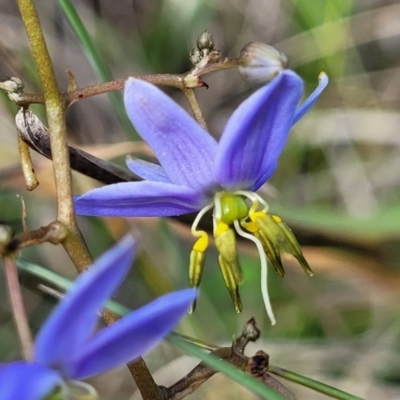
(312, 384)
(55, 109)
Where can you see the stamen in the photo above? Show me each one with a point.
(196, 221)
(197, 255)
(264, 271)
(254, 197)
(231, 283)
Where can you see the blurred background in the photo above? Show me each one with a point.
(337, 184)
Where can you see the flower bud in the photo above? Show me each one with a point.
(204, 42)
(195, 56)
(12, 85)
(259, 63)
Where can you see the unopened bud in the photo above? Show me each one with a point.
(259, 63)
(195, 56)
(13, 87)
(204, 42)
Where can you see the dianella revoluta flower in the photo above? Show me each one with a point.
(197, 173)
(68, 348)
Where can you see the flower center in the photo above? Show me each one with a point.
(231, 212)
(233, 207)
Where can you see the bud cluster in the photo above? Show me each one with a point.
(205, 51)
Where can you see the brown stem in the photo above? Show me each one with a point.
(18, 309)
(202, 372)
(195, 107)
(53, 233)
(25, 99)
(55, 112)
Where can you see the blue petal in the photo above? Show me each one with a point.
(147, 170)
(67, 330)
(312, 98)
(27, 381)
(184, 149)
(140, 199)
(256, 133)
(133, 335)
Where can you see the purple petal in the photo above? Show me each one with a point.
(184, 149)
(27, 381)
(147, 170)
(300, 111)
(133, 335)
(66, 331)
(256, 133)
(140, 199)
(312, 98)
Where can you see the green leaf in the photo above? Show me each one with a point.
(96, 62)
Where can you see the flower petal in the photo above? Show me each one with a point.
(312, 98)
(139, 199)
(256, 133)
(147, 170)
(184, 149)
(66, 331)
(133, 335)
(27, 381)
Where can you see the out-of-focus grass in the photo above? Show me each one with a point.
(337, 183)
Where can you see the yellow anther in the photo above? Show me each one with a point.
(275, 231)
(202, 243)
(225, 241)
(220, 228)
(272, 253)
(276, 218)
(196, 265)
(250, 226)
(231, 283)
(257, 214)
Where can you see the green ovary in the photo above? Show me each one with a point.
(233, 207)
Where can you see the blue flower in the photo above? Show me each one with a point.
(198, 174)
(68, 348)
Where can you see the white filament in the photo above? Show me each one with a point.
(254, 197)
(199, 216)
(264, 270)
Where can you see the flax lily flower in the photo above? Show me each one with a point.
(67, 348)
(198, 174)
